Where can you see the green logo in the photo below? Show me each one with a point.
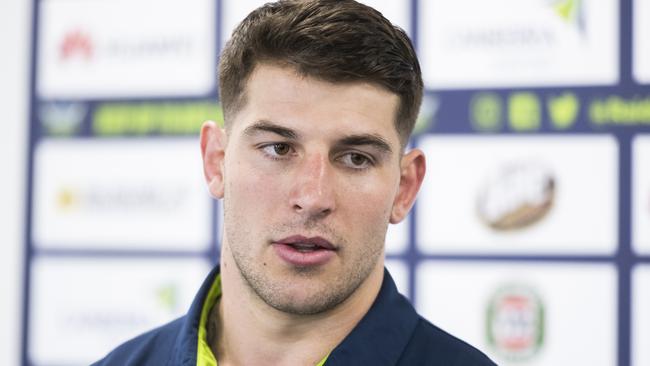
(515, 322)
(563, 110)
(486, 112)
(524, 112)
(571, 12)
(167, 296)
(620, 111)
(567, 9)
(164, 118)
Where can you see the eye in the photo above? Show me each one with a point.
(277, 149)
(356, 160)
(281, 149)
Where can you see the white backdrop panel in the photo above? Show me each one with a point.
(641, 194)
(641, 40)
(126, 48)
(497, 43)
(640, 315)
(83, 308)
(578, 300)
(582, 218)
(130, 194)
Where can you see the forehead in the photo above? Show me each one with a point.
(313, 106)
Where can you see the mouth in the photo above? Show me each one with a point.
(304, 251)
(302, 243)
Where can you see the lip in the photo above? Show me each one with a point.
(286, 250)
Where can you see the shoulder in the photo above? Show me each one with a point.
(152, 348)
(431, 345)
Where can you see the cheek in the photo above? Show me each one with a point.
(370, 201)
(252, 190)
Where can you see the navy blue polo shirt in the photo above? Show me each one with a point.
(391, 333)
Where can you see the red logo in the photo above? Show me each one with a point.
(515, 322)
(76, 44)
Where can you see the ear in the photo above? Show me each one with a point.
(412, 169)
(213, 147)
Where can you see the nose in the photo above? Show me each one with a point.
(313, 192)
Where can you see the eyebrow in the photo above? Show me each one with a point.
(375, 141)
(266, 126)
(366, 139)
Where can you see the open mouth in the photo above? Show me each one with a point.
(303, 251)
(303, 243)
(305, 247)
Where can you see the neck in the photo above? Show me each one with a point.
(250, 332)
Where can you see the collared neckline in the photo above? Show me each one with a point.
(379, 338)
(382, 334)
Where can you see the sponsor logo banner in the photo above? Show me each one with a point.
(127, 194)
(525, 313)
(82, 308)
(641, 194)
(106, 49)
(137, 119)
(525, 195)
(477, 43)
(616, 110)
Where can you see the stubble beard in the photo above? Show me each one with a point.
(279, 292)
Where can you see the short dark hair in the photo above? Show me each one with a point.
(332, 40)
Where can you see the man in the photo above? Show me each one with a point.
(319, 100)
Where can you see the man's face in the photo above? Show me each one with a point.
(311, 175)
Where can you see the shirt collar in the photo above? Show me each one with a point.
(382, 334)
(185, 348)
(380, 337)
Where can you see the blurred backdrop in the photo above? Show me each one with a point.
(530, 238)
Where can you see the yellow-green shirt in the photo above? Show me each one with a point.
(204, 355)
